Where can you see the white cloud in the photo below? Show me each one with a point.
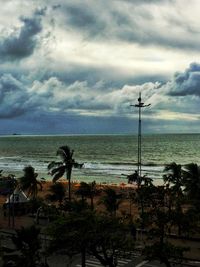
(94, 59)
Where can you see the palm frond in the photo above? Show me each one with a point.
(65, 153)
(54, 164)
(58, 175)
(58, 169)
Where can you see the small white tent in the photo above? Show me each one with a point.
(18, 196)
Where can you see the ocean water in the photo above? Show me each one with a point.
(106, 158)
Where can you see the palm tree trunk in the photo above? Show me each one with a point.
(130, 207)
(142, 213)
(92, 203)
(82, 200)
(69, 171)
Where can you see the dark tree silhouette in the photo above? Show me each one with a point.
(111, 200)
(57, 193)
(29, 182)
(58, 169)
(160, 219)
(27, 242)
(191, 180)
(173, 177)
(86, 190)
(87, 232)
(174, 185)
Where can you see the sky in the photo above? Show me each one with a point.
(76, 67)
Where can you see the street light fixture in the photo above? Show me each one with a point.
(140, 105)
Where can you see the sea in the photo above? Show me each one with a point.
(108, 159)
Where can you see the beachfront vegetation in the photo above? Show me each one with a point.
(29, 182)
(90, 233)
(88, 190)
(161, 218)
(111, 200)
(7, 183)
(28, 244)
(191, 179)
(57, 193)
(58, 169)
(93, 221)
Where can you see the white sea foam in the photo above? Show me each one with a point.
(122, 170)
(105, 158)
(13, 164)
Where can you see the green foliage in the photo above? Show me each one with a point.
(75, 205)
(111, 200)
(35, 203)
(71, 234)
(57, 193)
(7, 184)
(164, 252)
(27, 242)
(58, 169)
(29, 182)
(174, 174)
(86, 190)
(191, 178)
(87, 232)
(83, 190)
(186, 178)
(161, 217)
(174, 181)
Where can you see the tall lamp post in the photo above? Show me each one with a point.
(140, 105)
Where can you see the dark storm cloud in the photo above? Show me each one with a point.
(84, 18)
(147, 37)
(111, 78)
(51, 101)
(187, 82)
(22, 96)
(22, 44)
(121, 23)
(13, 97)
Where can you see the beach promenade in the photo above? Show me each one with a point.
(134, 259)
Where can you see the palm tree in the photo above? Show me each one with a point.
(58, 169)
(174, 181)
(57, 193)
(191, 179)
(111, 200)
(29, 181)
(82, 191)
(88, 232)
(92, 192)
(174, 177)
(88, 190)
(27, 241)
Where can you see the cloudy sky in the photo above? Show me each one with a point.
(76, 66)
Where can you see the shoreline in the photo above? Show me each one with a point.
(27, 219)
(102, 173)
(74, 185)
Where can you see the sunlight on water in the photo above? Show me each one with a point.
(105, 158)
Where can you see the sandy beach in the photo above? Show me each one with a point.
(27, 220)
